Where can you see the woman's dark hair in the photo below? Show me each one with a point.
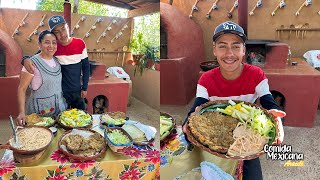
(43, 33)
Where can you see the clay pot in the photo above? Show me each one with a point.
(208, 65)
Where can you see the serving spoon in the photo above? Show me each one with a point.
(16, 142)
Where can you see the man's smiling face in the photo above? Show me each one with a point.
(229, 50)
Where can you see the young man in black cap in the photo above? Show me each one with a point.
(235, 80)
(73, 57)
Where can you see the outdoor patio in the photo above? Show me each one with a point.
(109, 43)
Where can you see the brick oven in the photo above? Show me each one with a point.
(182, 50)
(106, 92)
(267, 54)
(11, 54)
(293, 82)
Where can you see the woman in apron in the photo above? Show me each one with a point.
(45, 84)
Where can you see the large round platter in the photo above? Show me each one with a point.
(211, 107)
(169, 131)
(74, 117)
(85, 133)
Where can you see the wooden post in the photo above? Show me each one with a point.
(67, 13)
(243, 15)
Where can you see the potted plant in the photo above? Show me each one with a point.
(150, 58)
(144, 54)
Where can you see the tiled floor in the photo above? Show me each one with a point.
(302, 140)
(137, 111)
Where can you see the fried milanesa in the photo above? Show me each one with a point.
(94, 142)
(117, 115)
(79, 145)
(73, 142)
(33, 119)
(213, 130)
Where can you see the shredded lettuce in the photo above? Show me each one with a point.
(165, 125)
(117, 137)
(252, 117)
(115, 121)
(46, 121)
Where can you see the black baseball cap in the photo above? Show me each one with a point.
(229, 27)
(55, 21)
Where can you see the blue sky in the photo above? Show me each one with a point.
(19, 4)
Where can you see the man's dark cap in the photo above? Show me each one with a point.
(229, 27)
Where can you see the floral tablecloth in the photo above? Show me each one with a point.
(178, 157)
(136, 162)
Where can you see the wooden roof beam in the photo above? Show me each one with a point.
(113, 3)
(152, 8)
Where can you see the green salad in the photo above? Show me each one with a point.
(45, 122)
(252, 117)
(75, 118)
(166, 125)
(109, 120)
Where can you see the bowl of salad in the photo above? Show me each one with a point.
(40, 120)
(117, 138)
(74, 118)
(167, 125)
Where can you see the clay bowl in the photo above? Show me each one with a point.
(49, 125)
(113, 114)
(81, 157)
(172, 130)
(19, 151)
(66, 127)
(208, 65)
(117, 147)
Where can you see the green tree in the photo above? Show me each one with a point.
(149, 26)
(85, 7)
(146, 41)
